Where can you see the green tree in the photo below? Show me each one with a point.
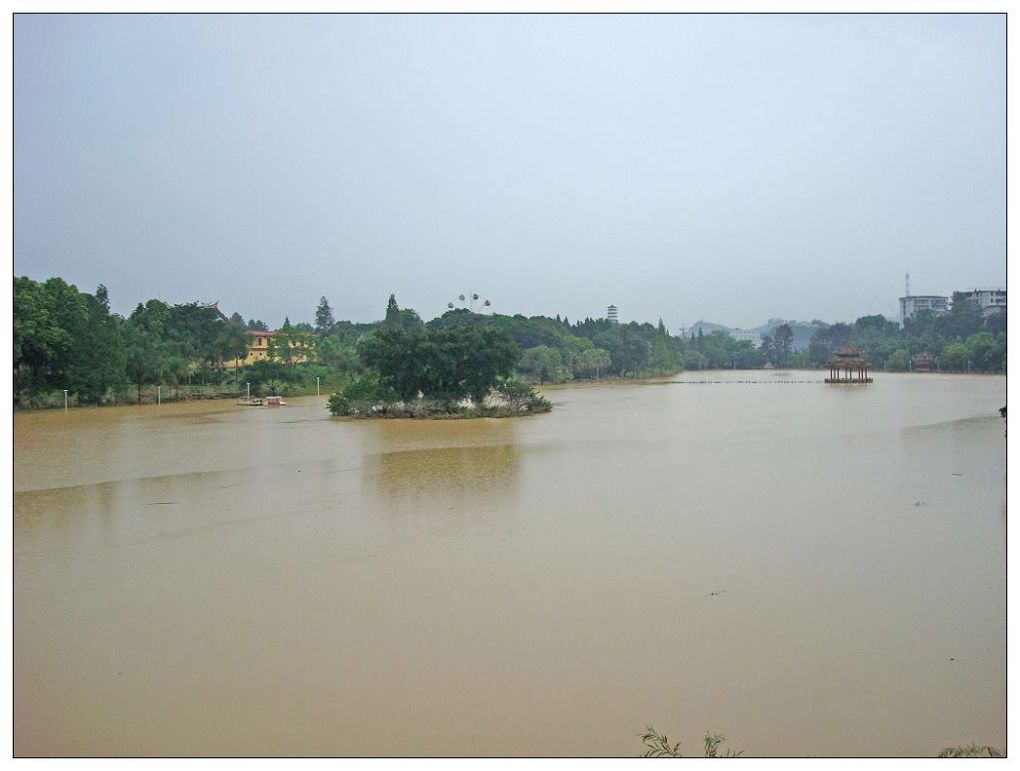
(954, 357)
(592, 361)
(826, 341)
(574, 351)
(996, 322)
(400, 356)
(359, 396)
(153, 355)
(898, 360)
(229, 343)
(985, 351)
(440, 362)
(521, 397)
(719, 350)
(291, 346)
(53, 326)
(101, 364)
(271, 376)
(467, 362)
(395, 316)
(324, 320)
(964, 318)
(662, 356)
(201, 336)
(337, 354)
(392, 311)
(745, 355)
(782, 342)
(40, 343)
(627, 347)
(541, 362)
(694, 360)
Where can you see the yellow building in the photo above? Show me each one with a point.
(258, 349)
(258, 346)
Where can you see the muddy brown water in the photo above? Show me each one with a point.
(806, 569)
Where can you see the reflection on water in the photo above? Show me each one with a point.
(474, 471)
(806, 569)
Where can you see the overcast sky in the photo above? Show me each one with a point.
(727, 168)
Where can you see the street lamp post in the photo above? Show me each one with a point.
(65, 400)
(159, 395)
(317, 385)
(249, 390)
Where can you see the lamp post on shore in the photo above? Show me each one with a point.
(65, 400)
(159, 395)
(249, 390)
(317, 385)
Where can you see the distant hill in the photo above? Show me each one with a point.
(803, 331)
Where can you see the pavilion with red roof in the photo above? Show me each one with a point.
(849, 366)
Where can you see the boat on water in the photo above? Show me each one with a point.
(257, 401)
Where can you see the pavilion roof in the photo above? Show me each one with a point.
(850, 350)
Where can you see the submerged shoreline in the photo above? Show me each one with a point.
(585, 383)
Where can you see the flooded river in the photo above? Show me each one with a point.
(805, 569)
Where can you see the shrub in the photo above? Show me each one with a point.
(363, 395)
(521, 397)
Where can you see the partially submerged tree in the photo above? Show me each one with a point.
(447, 364)
(440, 361)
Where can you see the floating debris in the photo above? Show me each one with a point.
(972, 751)
(716, 594)
(738, 382)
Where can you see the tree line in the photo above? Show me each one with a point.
(68, 339)
(962, 340)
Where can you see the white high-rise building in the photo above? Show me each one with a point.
(911, 304)
(753, 335)
(990, 300)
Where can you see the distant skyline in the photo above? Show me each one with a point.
(689, 167)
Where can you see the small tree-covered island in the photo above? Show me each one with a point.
(440, 369)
